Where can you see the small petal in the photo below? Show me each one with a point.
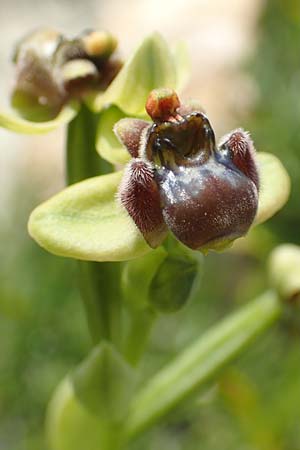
(13, 122)
(275, 186)
(241, 148)
(129, 133)
(151, 66)
(140, 196)
(85, 221)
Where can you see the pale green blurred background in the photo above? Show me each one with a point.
(246, 72)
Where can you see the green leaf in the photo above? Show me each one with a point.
(104, 383)
(202, 360)
(13, 122)
(275, 186)
(151, 66)
(107, 144)
(85, 221)
(70, 426)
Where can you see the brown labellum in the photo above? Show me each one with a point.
(180, 180)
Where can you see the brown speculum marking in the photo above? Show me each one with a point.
(204, 197)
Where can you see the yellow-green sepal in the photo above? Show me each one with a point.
(13, 122)
(275, 186)
(152, 65)
(87, 222)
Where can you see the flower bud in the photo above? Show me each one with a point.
(51, 69)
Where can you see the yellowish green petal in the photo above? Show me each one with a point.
(85, 221)
(275, 186)
(182, 63)
(13, 122)
(151, 66)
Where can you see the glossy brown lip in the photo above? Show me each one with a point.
(179, 180)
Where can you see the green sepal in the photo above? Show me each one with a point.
(275, 186)
(107, 144)
(70, 426)
(182, 63)
(152, 65)
(104, 383)
(13, 122)
(86, 221)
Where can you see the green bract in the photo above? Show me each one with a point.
(86, 221)
(70, 426)
(104, 383)
(15, 123)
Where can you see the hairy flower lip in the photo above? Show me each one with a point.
(180, 178)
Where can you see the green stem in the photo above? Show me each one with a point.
(99, 282)
(140, 327)
(99, 289)
(197, 364)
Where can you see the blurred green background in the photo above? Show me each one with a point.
(255, 403)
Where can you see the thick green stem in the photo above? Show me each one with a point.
(99, 282)
(201, 361)
(140, 328)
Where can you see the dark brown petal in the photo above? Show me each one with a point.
(243, 153)
(128, 131)
(139, 194)
(206, 204)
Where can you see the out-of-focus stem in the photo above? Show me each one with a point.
(140, 328)
(98, 282)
